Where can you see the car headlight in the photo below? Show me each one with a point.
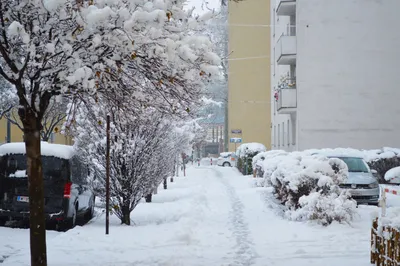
(373, 185)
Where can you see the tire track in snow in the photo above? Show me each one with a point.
(245, 253)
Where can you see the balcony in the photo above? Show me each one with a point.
(286, 8)
(287, 101)
(286, 50)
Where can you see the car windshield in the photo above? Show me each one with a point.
(355, 165)
(15, 165)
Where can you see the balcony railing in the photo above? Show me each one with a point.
(286, 50)
(287, 100)
(286, 8)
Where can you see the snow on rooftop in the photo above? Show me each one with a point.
(47, 149)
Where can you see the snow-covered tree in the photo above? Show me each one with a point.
(217, 30)
(143, 148)
(81, 49)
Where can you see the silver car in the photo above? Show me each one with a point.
(363, 185)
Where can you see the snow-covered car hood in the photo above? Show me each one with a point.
(361, 178)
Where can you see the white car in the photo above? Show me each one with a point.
(227, 159)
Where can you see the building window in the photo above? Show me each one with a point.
(283, 134)
(274, 137)
(279, 135)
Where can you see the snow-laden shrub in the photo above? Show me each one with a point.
(257, 161)
(393, 175)
(383, 165)
(308, 186)
(325, 208)
(245, 154)
(250, 149)
(270, 164)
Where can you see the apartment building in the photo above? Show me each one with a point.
(335, 74)
(249, 99)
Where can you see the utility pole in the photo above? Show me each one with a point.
(108, 177)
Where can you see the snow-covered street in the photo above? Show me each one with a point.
(214, 216)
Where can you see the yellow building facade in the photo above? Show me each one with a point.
(249, 79)
(17, 135)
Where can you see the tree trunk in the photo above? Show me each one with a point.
(165, 183)
(155, 191)
(36, 190)
(126, 215)
(148, 197)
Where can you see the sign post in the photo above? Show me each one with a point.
(108, 177)
(235, 140)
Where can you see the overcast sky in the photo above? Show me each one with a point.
(197, 4)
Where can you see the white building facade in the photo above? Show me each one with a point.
(335, 74)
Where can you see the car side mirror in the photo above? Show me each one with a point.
(374, 172)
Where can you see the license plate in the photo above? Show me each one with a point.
(355, 193)
(23, 199)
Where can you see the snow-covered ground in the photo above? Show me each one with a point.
(214, 216)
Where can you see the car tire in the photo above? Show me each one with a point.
(73, 219)
(69, 223)
(90, 213)
(226, 164)
(3, 221)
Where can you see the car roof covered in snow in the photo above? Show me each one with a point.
(47, 149)
(336, 155)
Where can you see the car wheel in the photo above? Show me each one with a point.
(3, 221)
(226, 164)
(72, 220)
(90, 213)
(69, 223)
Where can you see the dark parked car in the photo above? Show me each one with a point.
(67, 200)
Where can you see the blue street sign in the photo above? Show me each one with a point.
(235, 140)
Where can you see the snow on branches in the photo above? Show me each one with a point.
(81, 47)
(144, 145)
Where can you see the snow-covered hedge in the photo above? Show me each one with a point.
(245, 153)
(308, 185)
(258, 161)
(393, 175)
(381, 160)
(249, 149)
